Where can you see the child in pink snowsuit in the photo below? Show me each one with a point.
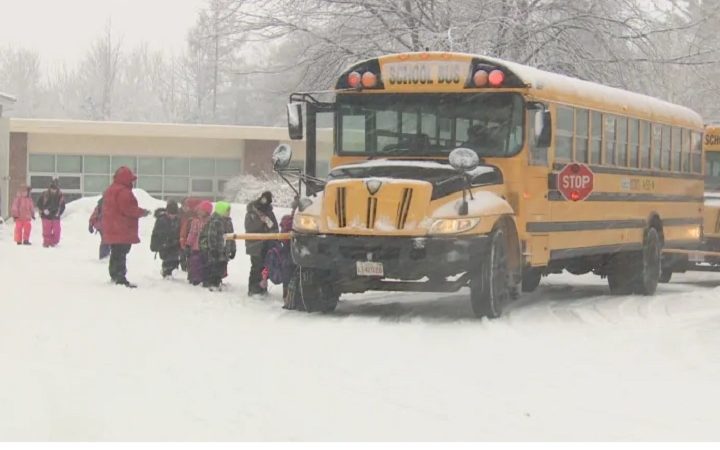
(23, 211)
(197, 270)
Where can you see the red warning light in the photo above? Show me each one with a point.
(354, 79)
(369, 80)
(496, 78)
(480, 78)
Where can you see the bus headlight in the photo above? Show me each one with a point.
(448, 226)
(302, 222)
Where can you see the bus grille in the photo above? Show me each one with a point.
(340, 211)
(371, 212)
(403, 208)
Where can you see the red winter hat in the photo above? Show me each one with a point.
(206, 207)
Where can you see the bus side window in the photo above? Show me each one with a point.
(665, 147)
(564, 136)
(596, 138)
(676, 157)
(656, 138)
(538, 153)
(609, 139)
(633, 147)
(581, 135)
(696, 149)
(645, 144)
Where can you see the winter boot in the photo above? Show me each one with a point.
(125, 282)
(27, 243)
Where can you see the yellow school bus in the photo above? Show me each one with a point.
(453, 170)
(707, 258)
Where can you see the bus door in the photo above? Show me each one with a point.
(320, 138)
(537, 207)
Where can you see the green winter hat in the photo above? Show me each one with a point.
(222, 208)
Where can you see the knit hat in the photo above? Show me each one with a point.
(206, 207)
(222, 208)
(267, 195)
(172, 207)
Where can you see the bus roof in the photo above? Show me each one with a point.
(564, 89)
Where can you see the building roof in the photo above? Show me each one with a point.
(144, 129)
(7, 98)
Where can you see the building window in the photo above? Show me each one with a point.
(69, 164)
(97, 164)
(175, 185)
(150, 166)
(150, 184)
(202, 185)
(202, 167)
(228, 167)
(128, 161)
(69, 183)
(96, 183)
(42, 163)
(177, 166)
(40, 182)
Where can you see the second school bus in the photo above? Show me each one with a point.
(547, 173)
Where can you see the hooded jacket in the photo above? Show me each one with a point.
(53, 203)
(120, 211)
(255, 217)
(23, 207)
(186, 217)
(212, 238)
(165, 234)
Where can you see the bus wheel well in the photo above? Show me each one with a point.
(655, 222)
(512, 244)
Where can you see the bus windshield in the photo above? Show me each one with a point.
(430, 124)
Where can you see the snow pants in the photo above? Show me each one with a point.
(51, 232)
(118, 262)
(197, 272)
(22, 231)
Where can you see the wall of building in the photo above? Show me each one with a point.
(5, 191)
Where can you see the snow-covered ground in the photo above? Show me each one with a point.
(86, 360)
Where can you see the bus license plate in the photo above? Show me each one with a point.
(369, 268)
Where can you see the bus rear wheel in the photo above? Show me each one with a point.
(316, 291)
(489, 281)
(647, 273)
(531, 279)
(665, 275)
(637, 272)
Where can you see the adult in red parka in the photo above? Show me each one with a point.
(120, 216)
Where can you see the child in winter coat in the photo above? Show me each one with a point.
(23, 211)
(95, 226)
(288, 267)
(165, 237)
(195, 261)
(216, 249)
(187, 213)
(51, 205)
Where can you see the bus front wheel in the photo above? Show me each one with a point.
(489, 281)
(316, 291)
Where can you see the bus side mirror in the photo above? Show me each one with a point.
(281, 157)
(295, 122)
(543, 128)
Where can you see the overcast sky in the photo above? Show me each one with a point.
(62, 30)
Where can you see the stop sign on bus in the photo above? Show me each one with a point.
(575, 182)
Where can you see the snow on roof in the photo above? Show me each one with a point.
(565, 89)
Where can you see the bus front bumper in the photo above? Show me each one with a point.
(403, 258)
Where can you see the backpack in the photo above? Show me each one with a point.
(274, 260)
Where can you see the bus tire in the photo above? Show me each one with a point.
(489, 280)
(531, 279)
(647, 270)
(665, 275)
(620, 277)
(316, 291)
